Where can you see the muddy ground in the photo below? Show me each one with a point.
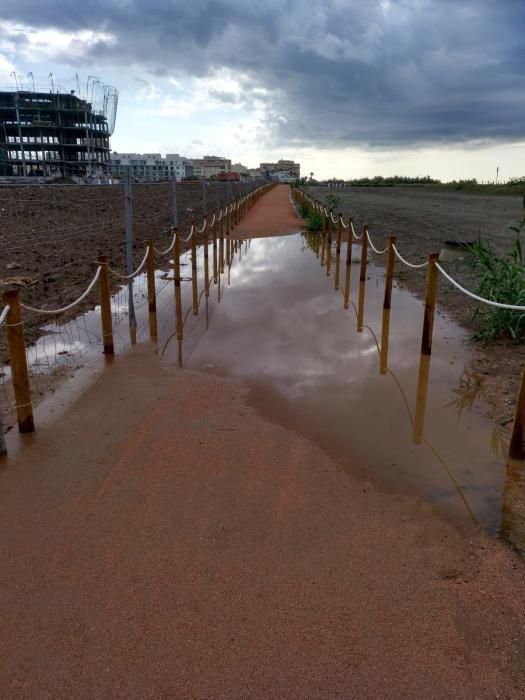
(422, 220)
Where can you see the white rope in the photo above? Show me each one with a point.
(133, 274)
(379, 252)
(55, 312)
(343, 223)
(168, 249)
(405, 262)
(354, 234)
(3, 315)
(334, 219)
(201, 230)
(185, 240)
(498, 304)
(212, 222)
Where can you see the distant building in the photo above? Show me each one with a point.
(151, 167)
(228, 177)
(50, 133)
(282, 166)
(210, 166)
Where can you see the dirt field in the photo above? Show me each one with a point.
(423, 220)
(52, 235)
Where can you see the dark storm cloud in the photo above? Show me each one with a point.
(337, 71)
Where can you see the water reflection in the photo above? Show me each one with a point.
(284, 331)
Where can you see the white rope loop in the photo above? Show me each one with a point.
(133, 274)
(354, 234)
(168, 249)
(55, 312)
(405, 262)
(343, 222)
(497, 304)
(379, 252)
(3, 315)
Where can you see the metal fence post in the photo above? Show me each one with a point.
(128, 220)
(174, 214)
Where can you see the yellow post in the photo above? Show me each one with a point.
(329, 246)
(178, 295)
(215, 247)
(517, 440)
(338, 251)
(17, 355)
(152, 299)
(206, 264)
(387, 302)
(194, 283)
(348, 264)
(105, 306)
(221, 251)
(426, 348)
(362, 280)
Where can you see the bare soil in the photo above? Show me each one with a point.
(422, 220)
(52, 235)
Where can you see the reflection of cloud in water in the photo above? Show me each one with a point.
(283, 329)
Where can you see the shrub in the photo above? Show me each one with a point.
(314, 221)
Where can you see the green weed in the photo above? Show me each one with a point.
(503, 280)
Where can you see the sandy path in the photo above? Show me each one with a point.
(163, 540)
(181, 546)
(272, 215)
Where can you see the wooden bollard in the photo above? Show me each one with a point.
(221, 249)
(178, 295)
(152, 298)
(194, 283)
(517, 440)
(329, 245)
(206, 264)
(338, 251)
(215, 227)
(362, 280)
(426, 348)
(17, 354)
(387, 303)
(348, 264)
(105, 306)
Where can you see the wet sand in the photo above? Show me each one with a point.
(165, 540)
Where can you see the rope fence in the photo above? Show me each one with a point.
(324, 249)
(192, 273)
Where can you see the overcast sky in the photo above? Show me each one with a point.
(346, 87)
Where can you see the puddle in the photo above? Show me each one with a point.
(284, 331)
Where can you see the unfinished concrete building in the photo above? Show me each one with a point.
(54, 133)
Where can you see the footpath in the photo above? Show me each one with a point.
(163, 540)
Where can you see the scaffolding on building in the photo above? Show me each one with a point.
(56, 130)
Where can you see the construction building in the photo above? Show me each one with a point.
(210, 166)
(151, 167)
(283, 170)
(49, 133)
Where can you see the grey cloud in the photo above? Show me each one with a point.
(378, 73)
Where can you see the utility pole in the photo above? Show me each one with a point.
(128, 221)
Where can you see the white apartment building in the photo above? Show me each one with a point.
(151, 167)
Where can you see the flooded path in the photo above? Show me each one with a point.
(285, 332)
